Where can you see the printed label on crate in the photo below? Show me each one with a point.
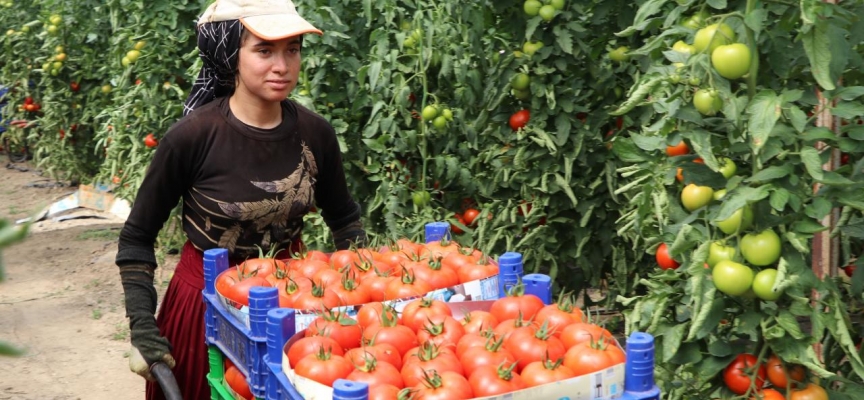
(607, 384)
(478, 290)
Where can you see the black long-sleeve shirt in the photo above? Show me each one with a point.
(241, 186)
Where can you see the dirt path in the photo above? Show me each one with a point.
(62, 300)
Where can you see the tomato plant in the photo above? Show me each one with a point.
(712, 98)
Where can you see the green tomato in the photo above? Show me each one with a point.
(440, 123)
(55, 19)
(694, 197)
(707, 102)
(52, 29)
(548, 12)
(447, 114)
(133, 55)
(521, 94)
(620, 54)
(409, 42)
(732, 278)
(429, 112)
(520, 81)
(532, 7)
(713, 36)
(761, 248)
(728, 167)
(739, 221)
(675, 79)
(719, 194)
(731, 61)
(558, 4)
(682, 47)
(421, 198)
(764, 282)
(695, 21)
(530, 48)
(694, 81)
(717, 252)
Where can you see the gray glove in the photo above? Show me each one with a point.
(147, 344)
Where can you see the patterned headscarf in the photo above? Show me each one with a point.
(218, 46)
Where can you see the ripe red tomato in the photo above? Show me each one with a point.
(470, 215)
(443, 330)
(664, 260)
(388, 331)
(516, 302)
(445, 385)
(342, 328)
(586, 357)
(679, 149)
(311, 345)
(768, 394)
(519, 119)
(737, 374)
(324, 367)
(581, 332)
(151, 141)
(492, 354)
(492, 380)
(74, 86)
(375, 372)
(383, 352)
(237, 382)
(811, 392)
(383, 392)
(455, 228)
(529, 344)
(417, 312)
(543, 372)
(478, 321)
(779, 375)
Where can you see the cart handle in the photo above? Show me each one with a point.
(162, 373)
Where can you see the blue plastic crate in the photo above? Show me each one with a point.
(244, 346)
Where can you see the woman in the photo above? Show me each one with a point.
(247, 163)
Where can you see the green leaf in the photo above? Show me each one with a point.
(812, 162)
(648, 143)
(764, 111)
(818, 133)
(788, 322)
(688, 353)
(717, 4)
(808, 226)
(563, 39)
(855, 231)
(628, 152)
(848, 110)
(817, 47)
(739, 198)
(648, 9)
(671, 340)
(771, 173)
(849, 93)
(755, 19)
(700, 140)
(797, 118)
(779, 199)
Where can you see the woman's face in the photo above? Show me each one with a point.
(267, 70)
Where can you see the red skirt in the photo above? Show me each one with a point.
(181, 321)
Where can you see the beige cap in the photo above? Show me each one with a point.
(267, 19)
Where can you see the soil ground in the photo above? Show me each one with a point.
(62, 300)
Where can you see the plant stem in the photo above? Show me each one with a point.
(754, 61)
